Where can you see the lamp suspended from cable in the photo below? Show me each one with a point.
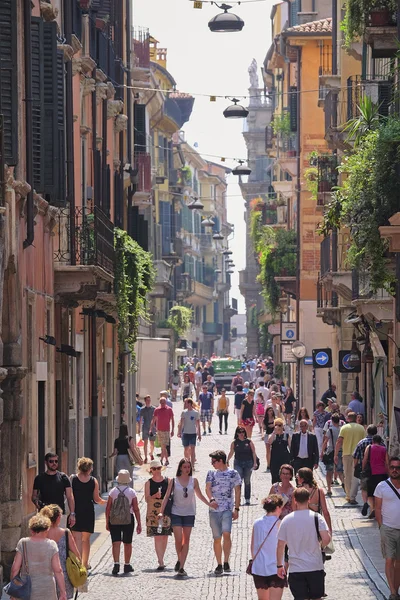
(225, 22)
(227, 252)
(354, 357)
(218, 236)
(241, 169)
(367, 355)
(230, 272)
(195, 204)
(235, 111)
(208, 222)
(218, 271)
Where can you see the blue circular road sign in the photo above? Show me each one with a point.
(322, 358)
(345, 362)
(290, 334)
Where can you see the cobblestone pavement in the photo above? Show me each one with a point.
(350, 573)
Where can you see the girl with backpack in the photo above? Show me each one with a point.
(121, 507)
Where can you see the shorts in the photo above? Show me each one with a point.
(220, 522)
(206, 415)
(163, 438)
(237, 412)
(339, 466)
(122, 532)
(372, 482)
(264, 582)
(363, 484)
(175, 387)
(188, 439)
(148, 435)
(248, 422)
(182, 520)
(390, 542)
(309, 584)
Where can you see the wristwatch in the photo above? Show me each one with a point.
(237, 508)
(71, 514)
(279, 566)
(212, 500)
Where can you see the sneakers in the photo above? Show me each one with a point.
(247, 503)
(329, 494)
(220, 432)
(177, 566)
(209, 429)
(372, 515)
(353, 502)
(128, 569)
(204, 432)
(226, 433)
(160, 568)
(227, 568)
(182, 573)
(335, 482)
(364, 510)
(218, 571)
(115, 570)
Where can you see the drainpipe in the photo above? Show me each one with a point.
(95, 441)
(30, 225)
(298, 228)
(69, 126)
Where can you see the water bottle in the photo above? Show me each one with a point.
(160, 526)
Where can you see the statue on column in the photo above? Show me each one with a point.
(254, 82)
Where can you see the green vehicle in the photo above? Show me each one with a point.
(224, 370)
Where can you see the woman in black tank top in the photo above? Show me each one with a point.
(245, 459)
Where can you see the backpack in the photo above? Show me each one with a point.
(120, 513)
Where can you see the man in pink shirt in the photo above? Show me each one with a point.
(163, 420)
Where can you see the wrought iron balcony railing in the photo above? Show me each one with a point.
(87, 239)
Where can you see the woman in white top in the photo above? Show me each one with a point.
(184, 488)
(123, 532)
(264, 541)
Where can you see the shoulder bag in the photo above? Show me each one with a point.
(77, 573)
(134, 454)
(366, 472)
(250, 565)
(393, 488)
(328, 457)
(170, 501)
(20, 586)
(327, 550)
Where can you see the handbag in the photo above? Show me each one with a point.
(251, 560)
(328, 457)
(367, 472)
(258, 464)
(327, 550)
(77, 573)
(134, 456)
(20, 586)
(357, 471)
(170, 501)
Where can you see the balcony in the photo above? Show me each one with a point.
(84, 255)
(162, 284)
(212, 331)
(327, 305)
(173, 113)
(143, 193)
(200, 294)
(229, 312)
(377, 306)
(141, 59)
(382, 38)
(334, 275)
(327, 178)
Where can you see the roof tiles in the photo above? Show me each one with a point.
(321, 26)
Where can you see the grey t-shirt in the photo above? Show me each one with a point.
(146, 413)
(298, 531)
(190, 418)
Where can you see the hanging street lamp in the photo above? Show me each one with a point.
(354, 357)
(241, 169)
(208, 222)
(235, 111)
(227, 252)
(225, 22)
(195, 204)
(218, 236)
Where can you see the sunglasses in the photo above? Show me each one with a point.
(156, 469)
(185, 492)
(241, 431)
(53, 460)
(395, 468)
(214, 460)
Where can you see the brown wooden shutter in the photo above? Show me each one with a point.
(8, 79)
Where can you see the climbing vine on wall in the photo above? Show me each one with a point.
(134, 279)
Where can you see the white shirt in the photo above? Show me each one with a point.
(390, 504)
(303, 448)
(265, 562)
(299, 532)
(266, 393)
(128, 491)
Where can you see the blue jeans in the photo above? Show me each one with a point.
(245, 469)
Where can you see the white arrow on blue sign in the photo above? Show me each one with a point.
(321, 358)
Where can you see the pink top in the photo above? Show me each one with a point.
(377, 455)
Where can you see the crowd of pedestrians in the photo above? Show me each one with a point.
(289, 544)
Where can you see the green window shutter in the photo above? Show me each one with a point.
(59, 154)
(8, 79)
(50, 110)
(37, 102)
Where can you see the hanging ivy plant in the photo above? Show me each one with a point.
(179, 320)
(133, 280)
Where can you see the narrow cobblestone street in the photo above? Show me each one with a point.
(356, 568)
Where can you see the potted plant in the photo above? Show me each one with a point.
(362, 13)
(257, 204)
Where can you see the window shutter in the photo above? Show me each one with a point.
(37, 102)
(60, 139)
(293, 108)
(8, 79)
(49, 130)
(76, 19)
(269, 134)
(140, 127)
(384, 97)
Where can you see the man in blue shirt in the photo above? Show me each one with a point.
(356, 405)
(206, 401)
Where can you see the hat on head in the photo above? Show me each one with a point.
(277, 394)
(123, 476)
(155, 463)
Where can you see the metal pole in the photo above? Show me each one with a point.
(314, 390)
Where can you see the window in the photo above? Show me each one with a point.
(8, 79)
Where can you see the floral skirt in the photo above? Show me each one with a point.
(265, 582)
(153, 509)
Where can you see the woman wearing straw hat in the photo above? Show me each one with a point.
(154, 492)
(120, 532)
